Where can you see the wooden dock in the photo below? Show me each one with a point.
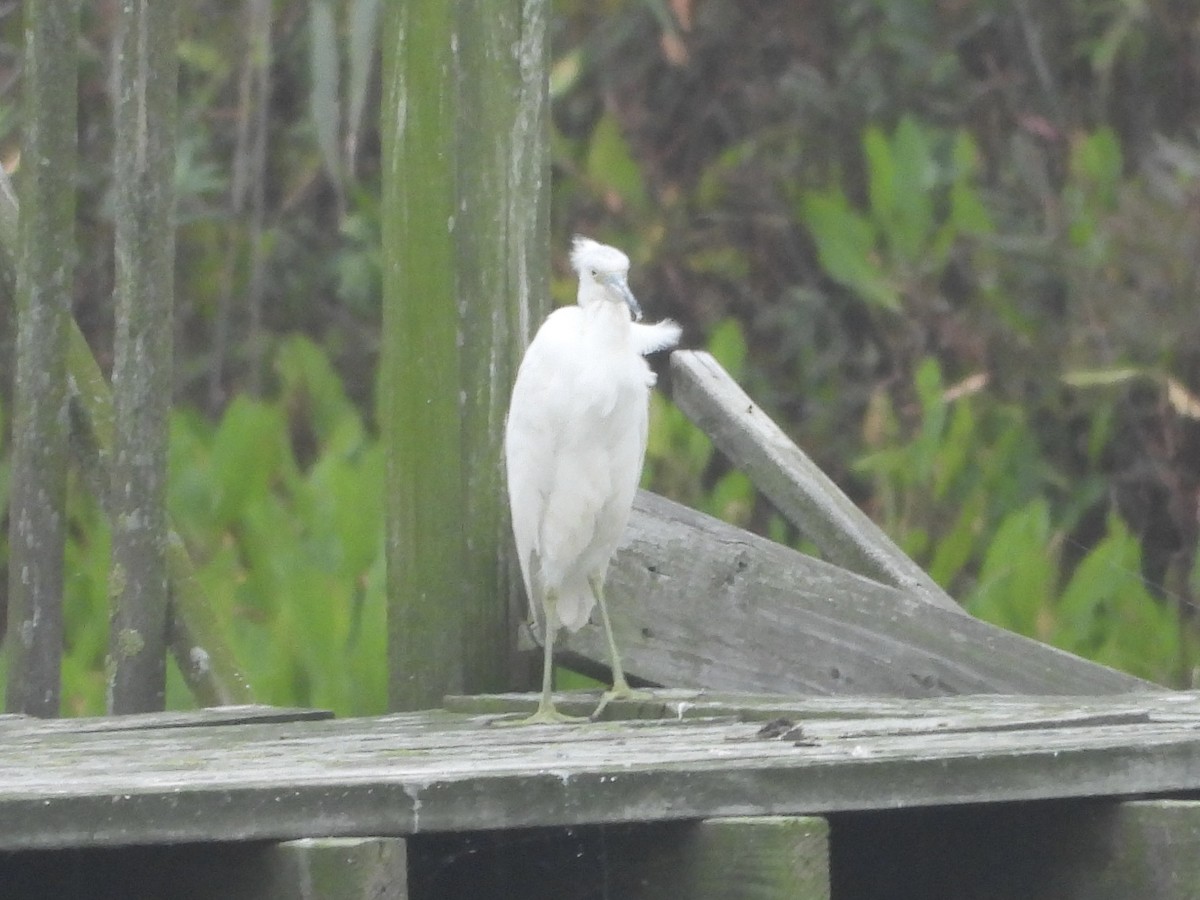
(183, 782)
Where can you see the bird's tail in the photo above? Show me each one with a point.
(574, 604)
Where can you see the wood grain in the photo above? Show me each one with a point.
(698, 603)
(797, 487)
(438, 771)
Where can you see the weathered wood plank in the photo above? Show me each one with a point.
(436, 771)
(976, 712)
(217, 715)
(793, 482)
(698, 603)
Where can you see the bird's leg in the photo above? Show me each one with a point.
(620, 687)
(547, 713)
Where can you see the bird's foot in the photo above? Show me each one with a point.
(546, 714)
(619, 691)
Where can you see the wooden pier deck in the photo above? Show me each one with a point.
(253, 774)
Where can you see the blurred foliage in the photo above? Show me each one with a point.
(948, 231)
(954, 248)
(279, 504)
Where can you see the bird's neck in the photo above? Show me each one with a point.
(608, 321)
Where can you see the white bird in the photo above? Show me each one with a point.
(574, 444)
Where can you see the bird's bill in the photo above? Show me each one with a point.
(621, 287)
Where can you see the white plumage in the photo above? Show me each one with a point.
(574, 445)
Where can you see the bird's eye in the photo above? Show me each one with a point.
(595, 274)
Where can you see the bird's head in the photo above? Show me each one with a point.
(603, 275)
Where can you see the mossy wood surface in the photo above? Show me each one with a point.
(438, 771)
(465, 235)
(144, 198)
(699, 603)
(45, 283)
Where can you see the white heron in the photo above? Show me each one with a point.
(574, 444)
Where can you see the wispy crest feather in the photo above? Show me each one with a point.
(588, 254)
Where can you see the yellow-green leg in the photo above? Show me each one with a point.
(620, 687)
(547, 713)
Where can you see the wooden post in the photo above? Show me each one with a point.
(336, 869)
(145, 273)
(464, 220)
(45, 280)
(205, 659)
(503, 271)
(757, 858)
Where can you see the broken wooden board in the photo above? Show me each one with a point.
(698, 603)
(806, 496)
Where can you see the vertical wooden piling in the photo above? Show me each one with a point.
(425, 547)
(464, 234)
(46, 261)
(503, 272)
(144, 123)
(205, 659)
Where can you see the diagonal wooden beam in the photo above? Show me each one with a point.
(698, 603)
(795, 484)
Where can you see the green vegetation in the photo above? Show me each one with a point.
(280, 504)
(953, 248)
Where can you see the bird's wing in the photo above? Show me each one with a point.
(532, 434)
(655, 336)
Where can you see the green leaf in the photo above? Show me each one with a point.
(967, 211)
(1097, 161)
(247, 452)
(881, 176)
(612, 167)
(727, 344)
(846, 247)
(911, 225)
(710, 188)
(955, 549)
(732, 498)
(955, 449)
(927, 380)
(310, 383)
(1093, 585)
(1018, 573)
